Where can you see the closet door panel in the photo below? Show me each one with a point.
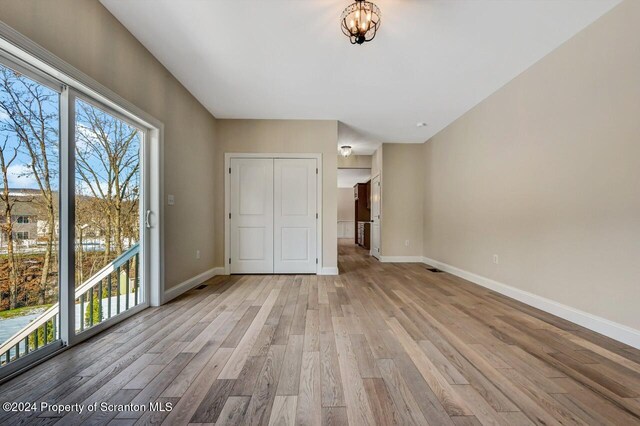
(295, 210)
(251, 208)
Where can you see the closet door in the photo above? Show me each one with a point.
(295, 215)
(251, 208)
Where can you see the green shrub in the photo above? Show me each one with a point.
(92, 311)
(40, 333)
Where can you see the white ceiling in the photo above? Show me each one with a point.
(432, 60)
(347, 178)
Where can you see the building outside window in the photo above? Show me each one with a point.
(23, 219)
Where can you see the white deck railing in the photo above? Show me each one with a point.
(23, 335)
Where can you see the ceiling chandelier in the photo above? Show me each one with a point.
(345, 151)
(360, 21)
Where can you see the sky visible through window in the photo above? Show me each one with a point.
(97, 133)
(29, 109)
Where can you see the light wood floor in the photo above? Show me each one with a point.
(379, 344)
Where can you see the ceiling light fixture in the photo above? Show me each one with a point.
(421, 124)
(360, 21)
(345, 150)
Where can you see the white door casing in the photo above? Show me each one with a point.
(295, 215)
(375, 217)
(251, 215)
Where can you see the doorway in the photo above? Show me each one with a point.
(375, 216)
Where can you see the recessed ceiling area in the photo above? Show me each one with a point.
(431, 61)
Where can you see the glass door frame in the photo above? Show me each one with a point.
(9, 61)
(67, 227)
(46, 68)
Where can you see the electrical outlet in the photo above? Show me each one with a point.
(406, 243)
(171, 199)
(197, 254)
(496, 259)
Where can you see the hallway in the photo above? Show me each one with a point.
(379, 344)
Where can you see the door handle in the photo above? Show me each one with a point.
(147, 220)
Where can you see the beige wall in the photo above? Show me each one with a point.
(545, 173)
(402, 200)
(282, 136)
(354, 162)
(346, 205)
(84, 34)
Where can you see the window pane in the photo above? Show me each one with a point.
(29, 175)
(107, 215)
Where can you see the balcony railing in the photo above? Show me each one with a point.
(112, 290)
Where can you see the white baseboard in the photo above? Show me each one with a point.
(401, 259)
(328, 271)
(614, 330)
(187, 285)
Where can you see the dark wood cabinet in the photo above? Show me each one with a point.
(362, 203)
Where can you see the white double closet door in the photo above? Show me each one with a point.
(273, 215)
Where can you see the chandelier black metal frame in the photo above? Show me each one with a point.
(360, 21)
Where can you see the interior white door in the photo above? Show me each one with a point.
(295, 215)
(251, 220)
(375, 217)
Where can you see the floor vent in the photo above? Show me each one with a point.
(200, 287)
(432, 269)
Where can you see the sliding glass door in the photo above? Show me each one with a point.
(29, 225)
(108, 152)
(74, 215)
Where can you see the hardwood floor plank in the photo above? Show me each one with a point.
(196, 392)
(290, 376)
(211, 405)
(358, 408)
(309, 408)
(605, 411)
(381, 402)
(260, 405)
(281, 335)
(331, 381)
(312, 331)
(482, 411)
(334, 416)
(450, 400)
(155, 388)
(245, 383)
(233, 339)
(143, 378)
(298, 321)
(324, 314)
(284, 411)
(181, 383)
(430, 406)
(234, 411)
(156, 417)
(366, 362)
(323, 298)
(261, 346)
(241, 353)
(407, 409)
(447, 369)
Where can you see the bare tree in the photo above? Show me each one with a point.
(107, 162)
(6, 159)
(32, 111)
